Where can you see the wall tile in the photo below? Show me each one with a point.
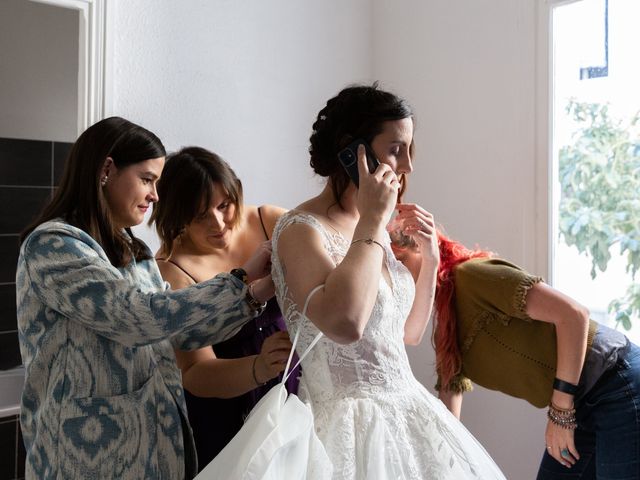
(8, 448)
(9, 352)
(20, 206)
(8, 308)
(9, 250)
(60, 152)
(25, 162)
(22, 454)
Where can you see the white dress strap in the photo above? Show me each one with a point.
(287, 372)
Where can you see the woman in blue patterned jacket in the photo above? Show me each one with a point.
(97, 326)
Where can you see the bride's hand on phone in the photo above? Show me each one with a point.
(378, 191)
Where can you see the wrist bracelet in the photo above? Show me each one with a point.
(566, 411)
(253, 302)
(565, 418)
(253, 371)
(564, 387)
(369, 241)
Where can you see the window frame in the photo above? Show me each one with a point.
(95, 85)
(544, 109)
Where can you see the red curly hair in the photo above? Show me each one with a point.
(445, 337)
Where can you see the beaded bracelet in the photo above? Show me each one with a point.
(565, 418)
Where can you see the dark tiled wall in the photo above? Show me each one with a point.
(29, 170)
(12, 453)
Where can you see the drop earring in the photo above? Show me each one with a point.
(103, 181)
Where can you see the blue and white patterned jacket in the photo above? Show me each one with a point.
(103, 396)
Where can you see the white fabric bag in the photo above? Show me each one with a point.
(277, 440)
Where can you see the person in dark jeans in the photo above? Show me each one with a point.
(505, 329)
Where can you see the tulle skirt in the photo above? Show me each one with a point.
(403, 434)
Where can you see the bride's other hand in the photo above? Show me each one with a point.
(420, 225)
(422, 261)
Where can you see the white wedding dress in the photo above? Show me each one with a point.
(375, 420)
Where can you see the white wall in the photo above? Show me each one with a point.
(469, 70)
(247, 78)
(38, 71)
(244, 79)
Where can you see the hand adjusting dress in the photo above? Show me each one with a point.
(374, 418)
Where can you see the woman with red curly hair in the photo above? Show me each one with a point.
(507, 330)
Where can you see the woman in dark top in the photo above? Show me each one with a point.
(506, 330)
(205, 229)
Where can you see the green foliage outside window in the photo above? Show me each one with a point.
(600, 199)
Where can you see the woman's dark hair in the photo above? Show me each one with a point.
(186, 190)
(358, 111)
(79, 198)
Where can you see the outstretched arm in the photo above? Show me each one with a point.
(70, 273)
(572, 324)
(571, 320)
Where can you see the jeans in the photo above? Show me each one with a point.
(608, 433)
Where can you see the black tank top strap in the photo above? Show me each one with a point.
(262, 223)
(177, 265)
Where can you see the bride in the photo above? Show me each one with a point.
(375, 420)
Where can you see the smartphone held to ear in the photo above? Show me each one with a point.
(349, 159)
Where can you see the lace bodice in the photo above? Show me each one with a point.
(378, 361)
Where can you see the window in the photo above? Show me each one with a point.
(596, 158)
